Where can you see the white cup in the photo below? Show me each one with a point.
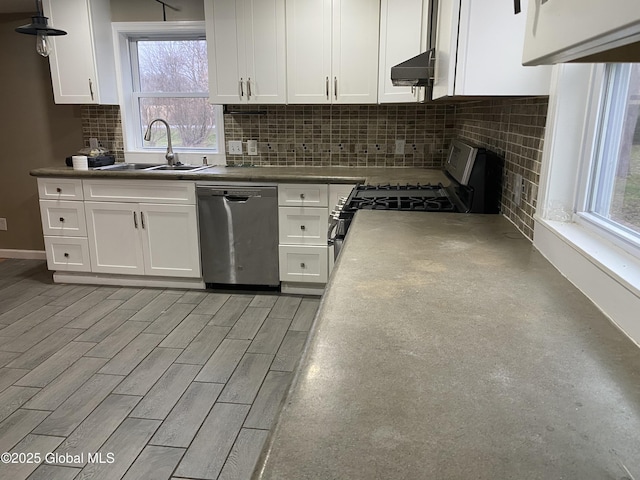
(80, 162)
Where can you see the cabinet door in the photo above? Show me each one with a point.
(571, 29)
(355, 38)
(225, 49)
(265, 52)
(170, 240)
(478, 51)
(113, 230)
(446, 48)
(309, 51)
(403, 34)
(82, 62)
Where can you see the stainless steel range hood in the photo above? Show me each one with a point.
(415, 72)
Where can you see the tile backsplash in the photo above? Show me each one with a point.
(365, 135)
(104, 123)
(514, 128)
(344, 135)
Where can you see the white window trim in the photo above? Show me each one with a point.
(134, 153)
(606, 273)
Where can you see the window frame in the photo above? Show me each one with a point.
(123, 32)
(594, 146)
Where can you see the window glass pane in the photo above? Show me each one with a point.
(192, 122)
(616, 195)
(173, 66)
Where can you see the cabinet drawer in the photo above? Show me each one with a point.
(63, 218)
(147, 191)
(303, 195)
(303, 225)
(60, 188)
(67, 253)
(304, 263)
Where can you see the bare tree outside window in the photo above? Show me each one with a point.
(173, 85)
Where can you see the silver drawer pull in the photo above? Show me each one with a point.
(302, 196)
(302, 227)
(302, 265)
(66, 255)
(61, 219)
(59, 190)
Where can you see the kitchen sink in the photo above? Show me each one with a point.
(117, 167)
(178, 168)
(151, 167)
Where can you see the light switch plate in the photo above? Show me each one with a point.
(399, 147)
(252, 147)
(235, 147)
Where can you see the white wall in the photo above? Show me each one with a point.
(151, 11)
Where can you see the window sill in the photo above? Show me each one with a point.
(605, 273)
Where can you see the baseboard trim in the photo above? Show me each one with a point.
(302, 288)
(128, 280)
(25, 254)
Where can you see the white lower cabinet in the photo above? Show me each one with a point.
(302, 226)
(304, 263)
(69, 254)
(143, 239)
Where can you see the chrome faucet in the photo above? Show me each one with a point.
(172, 158)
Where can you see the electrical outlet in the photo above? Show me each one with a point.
(252, 147)
(3, 223)
(518, 187)
(235, 147)
(399, 147)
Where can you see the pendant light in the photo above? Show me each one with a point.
(42, 30)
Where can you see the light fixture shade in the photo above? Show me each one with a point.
(39, 25)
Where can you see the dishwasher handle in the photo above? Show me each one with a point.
(237, 198)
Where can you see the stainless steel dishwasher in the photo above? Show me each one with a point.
(239, 234)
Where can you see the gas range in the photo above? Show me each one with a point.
(426, 198)
(474, 177)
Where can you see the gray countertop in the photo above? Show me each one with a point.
(374, 175)
(446, 347)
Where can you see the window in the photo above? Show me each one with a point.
(613, 196)
(163, 73)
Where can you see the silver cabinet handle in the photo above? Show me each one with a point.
(135, 220)
(61, 219)
(327, 87)
(59, 190)
(241, 89)
(142, 219)
(335, 87)
(303, 228)
(302, 196)
(66, 255)
(302, 265)
(249, 88)
(91, 88)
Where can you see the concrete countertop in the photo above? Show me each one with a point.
(372, 176)
(446, 347)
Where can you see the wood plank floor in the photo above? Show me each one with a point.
(157, 384)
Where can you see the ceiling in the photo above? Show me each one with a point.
(14, 6)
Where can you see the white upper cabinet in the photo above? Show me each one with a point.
(479, 51)
(82, 62)
(404, 29)
(565, 30)
(332, 51)
(246, 47)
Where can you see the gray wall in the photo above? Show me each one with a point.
(34, 133)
